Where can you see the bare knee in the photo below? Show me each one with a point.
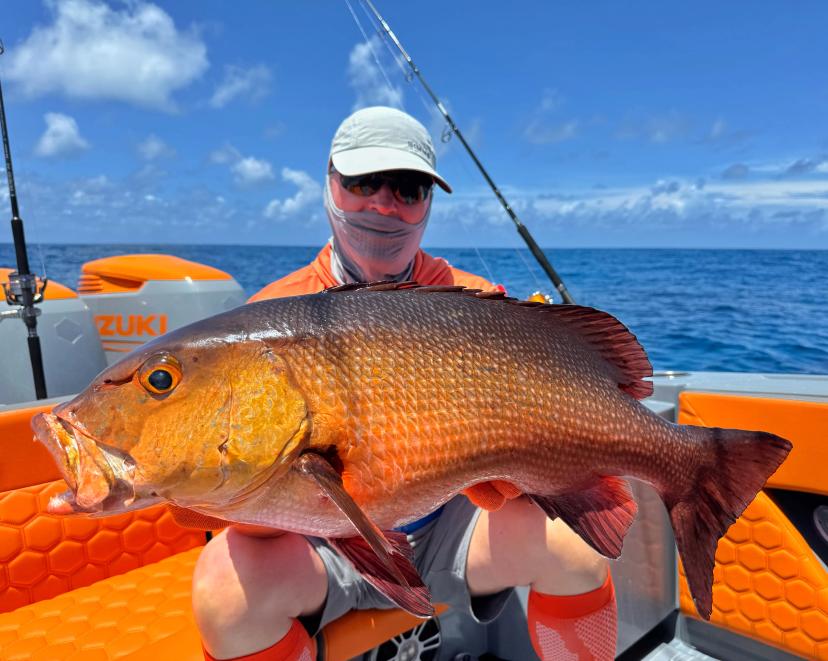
(520, 545)
(572, 566)
(246, 590)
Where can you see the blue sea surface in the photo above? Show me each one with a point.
(721, 310)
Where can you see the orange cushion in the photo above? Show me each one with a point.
(25, 462)
(42, 555)
(145, 613)
(767, 582)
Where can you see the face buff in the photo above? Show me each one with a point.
(368, 246)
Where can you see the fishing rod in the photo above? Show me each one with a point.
(22, 288)
(566, 297)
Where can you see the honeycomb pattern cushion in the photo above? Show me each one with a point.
(42, 556)
(143, 614)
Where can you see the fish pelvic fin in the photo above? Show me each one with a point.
(383, 559)
(492, 495)
(600, 514)
(411, 593)
(740, 464)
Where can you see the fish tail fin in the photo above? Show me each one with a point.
(736, 466)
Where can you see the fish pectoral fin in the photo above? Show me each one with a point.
(600, 514)
(411, 593)
(383, 559)
(492, 495)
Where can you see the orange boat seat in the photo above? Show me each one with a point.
(147, 614)
(144, 613)
(42, 555)
(768, 583)
(115, 587)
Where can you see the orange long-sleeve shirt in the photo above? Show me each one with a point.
(317, 276)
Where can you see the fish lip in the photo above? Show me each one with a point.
(78, 454)
(59, 439)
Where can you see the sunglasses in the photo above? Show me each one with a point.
(408, 186)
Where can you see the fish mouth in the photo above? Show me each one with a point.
(99, 479)
(58, 438)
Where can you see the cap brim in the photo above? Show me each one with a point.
(376, 159)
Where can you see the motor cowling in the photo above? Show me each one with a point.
(136, 298)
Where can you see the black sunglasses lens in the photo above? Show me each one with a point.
(362, 185)
(412, 187)
(409, 187)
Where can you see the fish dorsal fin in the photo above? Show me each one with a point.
(379, 285)
(613, 340)
(603, 332)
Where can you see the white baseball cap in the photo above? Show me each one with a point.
(380, 138)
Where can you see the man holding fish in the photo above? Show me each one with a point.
(250, 590)
(354, 419)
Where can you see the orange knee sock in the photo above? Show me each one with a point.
(578, 627)
(295, 646)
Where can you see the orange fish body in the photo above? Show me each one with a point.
(351, 412)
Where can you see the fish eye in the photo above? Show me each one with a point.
(160, 374)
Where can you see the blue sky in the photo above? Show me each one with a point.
(605, 124)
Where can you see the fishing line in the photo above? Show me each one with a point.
(429, 108)
(371, 48)
(532, 272)
(522, 230)
(31, 220)
(383, 38)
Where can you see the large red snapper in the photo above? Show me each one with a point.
(351, 412)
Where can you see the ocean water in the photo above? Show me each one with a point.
(721, 310)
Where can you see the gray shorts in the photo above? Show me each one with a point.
(440, 548)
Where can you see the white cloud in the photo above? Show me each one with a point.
(539, 134)
(154, 147)
(247, 170)
(91, 193)
(92, 51)
(61, 138)
(545, 127)
(736, 171)
(551, 100)
(252, 83)
(366, 78)
(309, 192)
(224, 155)
(250, 171)
(666, 206)
(658, 129)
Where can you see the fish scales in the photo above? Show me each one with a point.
(435, 387)
(360, 409)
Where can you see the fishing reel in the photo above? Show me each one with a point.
(541, 297)
(18, 285)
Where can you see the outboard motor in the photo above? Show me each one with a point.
(136, 298)
(72, 353)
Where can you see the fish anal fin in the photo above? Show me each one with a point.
(383, 559)
(492, 495)
(600, 514)
(412, 594)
